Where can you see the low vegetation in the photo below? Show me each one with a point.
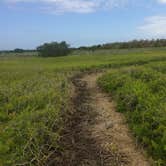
(140, 93)
(35, 97)
(32, 103)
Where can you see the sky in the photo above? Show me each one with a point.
(29, 23)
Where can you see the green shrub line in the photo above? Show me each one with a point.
(140, 93)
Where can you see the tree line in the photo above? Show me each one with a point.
(55, 49)
(17, 50)
(128, 45)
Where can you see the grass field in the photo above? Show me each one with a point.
(35, 94)
(140, 93)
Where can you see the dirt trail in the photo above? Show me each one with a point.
(99, 135)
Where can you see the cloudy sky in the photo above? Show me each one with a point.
(28, 23)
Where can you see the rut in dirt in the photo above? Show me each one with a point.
(96, 134)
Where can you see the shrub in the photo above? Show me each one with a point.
(53, 49)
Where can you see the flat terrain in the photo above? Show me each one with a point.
(40, 125)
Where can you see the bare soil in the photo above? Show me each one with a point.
(96, 134)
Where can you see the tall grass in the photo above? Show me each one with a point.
(30, 114)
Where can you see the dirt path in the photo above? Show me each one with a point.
(99, 135)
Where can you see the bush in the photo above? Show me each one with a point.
(18, 50)
(54, 49)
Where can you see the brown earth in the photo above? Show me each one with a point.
(96, 134)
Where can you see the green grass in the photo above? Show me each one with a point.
(12, 54)
(140, 93)
(30, 111)
(35, 94)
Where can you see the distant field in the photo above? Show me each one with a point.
(12, 54)
(35, 92)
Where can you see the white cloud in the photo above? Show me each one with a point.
(154, 26)
(77, 6)
(162, 1)
(61, 6)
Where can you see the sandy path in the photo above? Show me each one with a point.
(99, 135)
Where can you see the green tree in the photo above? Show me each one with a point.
(54, 49)
(18, 50)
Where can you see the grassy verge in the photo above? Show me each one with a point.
(31, 111)
(140, 93)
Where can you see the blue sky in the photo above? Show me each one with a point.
(28, 23)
